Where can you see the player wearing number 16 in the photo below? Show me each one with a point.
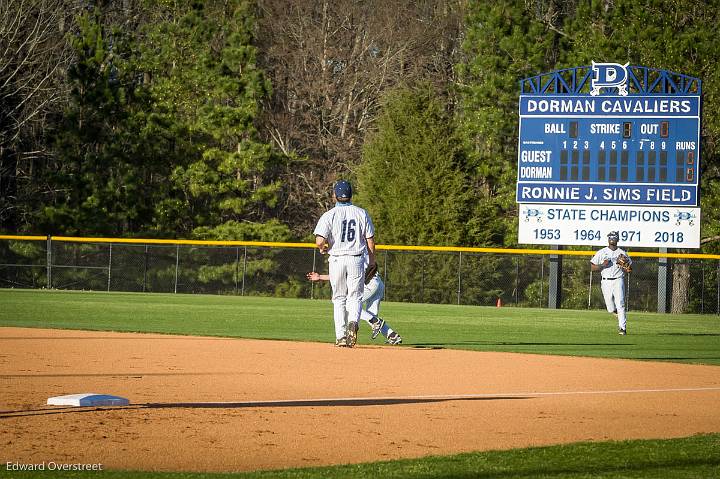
(346, 233)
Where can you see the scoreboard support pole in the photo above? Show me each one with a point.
(663, 288)
(555, 280)
(48, 263)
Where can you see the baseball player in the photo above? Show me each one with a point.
(372, 295)
(613, 262)
(346, 234)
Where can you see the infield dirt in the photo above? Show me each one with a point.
(215, 404)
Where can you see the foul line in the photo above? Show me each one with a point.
(571, 393)
(500, 394)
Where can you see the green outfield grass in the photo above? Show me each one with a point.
(696, 457)
(680, 338)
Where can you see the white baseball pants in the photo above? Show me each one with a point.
(614, 294)
(372, 295)
(347, 278)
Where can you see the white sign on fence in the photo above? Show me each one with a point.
(653, 227)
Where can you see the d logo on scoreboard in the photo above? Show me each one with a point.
(609, 75)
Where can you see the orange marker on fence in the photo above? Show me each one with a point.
(499, 303)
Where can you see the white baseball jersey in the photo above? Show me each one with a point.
(613, 271)
(346, 227)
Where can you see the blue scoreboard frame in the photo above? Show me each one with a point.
(609, 134)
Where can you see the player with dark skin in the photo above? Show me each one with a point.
(609, 262)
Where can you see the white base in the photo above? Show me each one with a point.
(87, 399)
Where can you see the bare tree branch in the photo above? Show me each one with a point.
(330, 62)
(33, 55)
(710, 239)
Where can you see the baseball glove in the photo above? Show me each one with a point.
(370, 272)
(624, 263)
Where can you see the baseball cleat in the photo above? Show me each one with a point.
(376, 327)
(622, 332)
(394, 339)
(341, 343)
(352, 334)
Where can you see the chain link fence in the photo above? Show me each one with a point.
(443, 277)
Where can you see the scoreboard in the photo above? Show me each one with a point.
(609, 148)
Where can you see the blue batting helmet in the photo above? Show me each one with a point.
(343, 190)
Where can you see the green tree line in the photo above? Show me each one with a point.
(231, 119)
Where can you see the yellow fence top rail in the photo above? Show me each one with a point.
(23, 238)
(270, 244)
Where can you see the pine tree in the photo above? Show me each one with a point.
(412, 178)
(504, 43)
(206, 88)
(93, 190)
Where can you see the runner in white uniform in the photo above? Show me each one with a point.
(372, 295)
(613, 282)
(346, 234)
